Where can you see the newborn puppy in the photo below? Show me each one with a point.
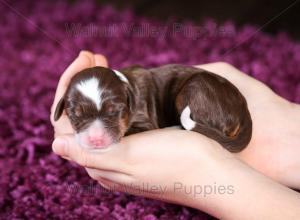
(104, 105)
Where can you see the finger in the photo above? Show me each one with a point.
(245, 83)
(66, 158)
(84, 60)
(113, 176)
(215, 67)
(112, 160)
(100, 60)
(226, 70)
(107, 184)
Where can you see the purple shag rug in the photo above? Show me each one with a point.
(38, 41)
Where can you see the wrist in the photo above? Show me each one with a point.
(249, 194)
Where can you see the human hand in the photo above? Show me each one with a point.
(187, 168)
(273, 149)
(152, 163)
(275, 145)
(141, 159)
(113, 173)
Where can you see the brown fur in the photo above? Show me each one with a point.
(155, 98)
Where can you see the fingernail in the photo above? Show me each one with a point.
(58, 146)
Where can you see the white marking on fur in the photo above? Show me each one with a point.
(185, 119)
(90, 89)
(97, 124)
(121, 76)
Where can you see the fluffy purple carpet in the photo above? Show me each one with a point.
(39, 40)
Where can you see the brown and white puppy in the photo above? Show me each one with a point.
(104, 105)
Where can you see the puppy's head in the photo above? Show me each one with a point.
(98, 102)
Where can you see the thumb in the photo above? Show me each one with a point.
(67, 147)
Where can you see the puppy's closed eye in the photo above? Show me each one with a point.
(111, 110)
(78, 111)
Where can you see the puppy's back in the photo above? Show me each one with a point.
(215, 107)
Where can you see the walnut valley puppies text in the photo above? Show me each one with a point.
(195, 190)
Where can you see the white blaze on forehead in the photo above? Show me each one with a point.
(185, 119)
(90, 89)
(121, 76)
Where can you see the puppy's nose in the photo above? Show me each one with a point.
(96, 141)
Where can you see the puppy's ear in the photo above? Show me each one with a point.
(59, 109)
(130, 97)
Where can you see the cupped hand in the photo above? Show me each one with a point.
(160, 164)
(186, 168)
(275, 142)
(152, 163)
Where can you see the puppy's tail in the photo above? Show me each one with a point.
(234, 140)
